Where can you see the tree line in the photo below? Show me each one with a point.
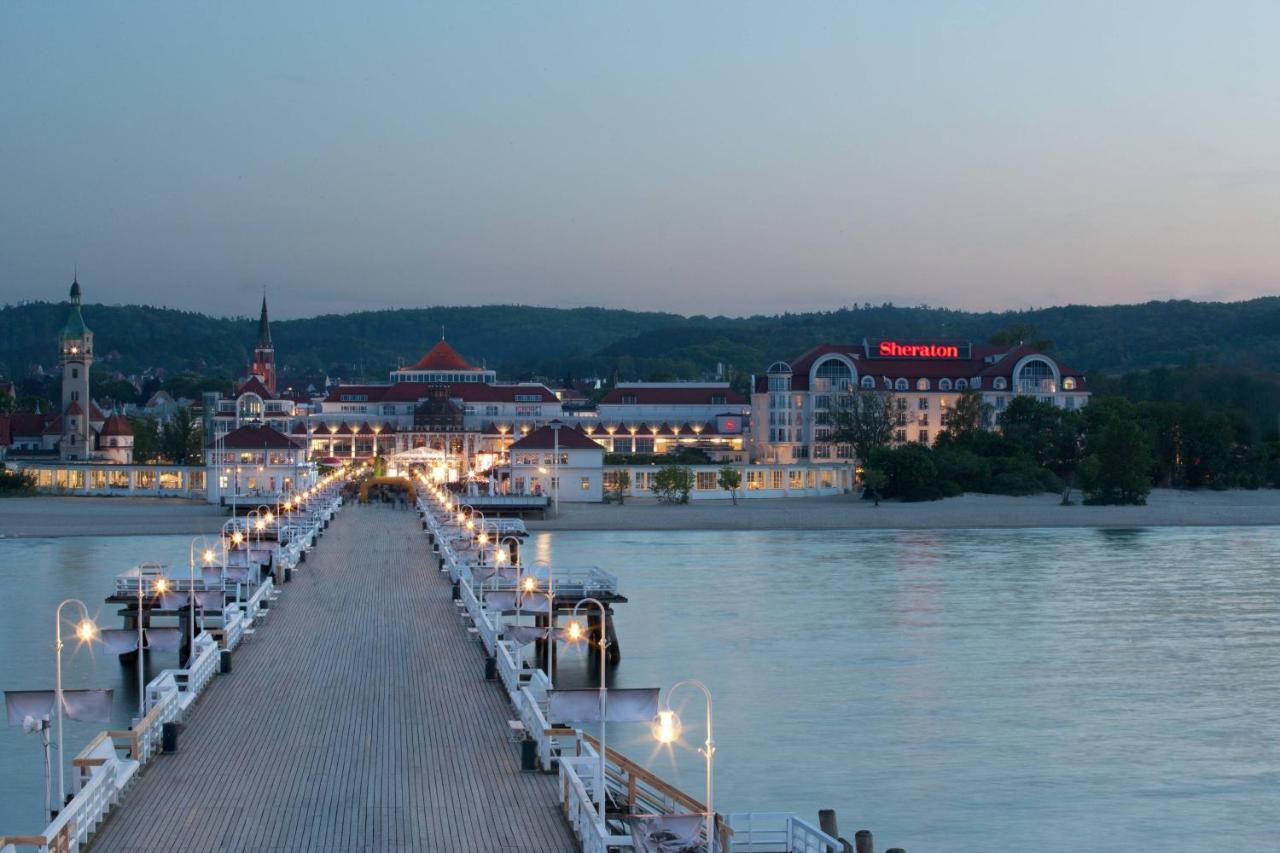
(1113, 450)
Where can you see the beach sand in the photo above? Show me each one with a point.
(71, 516)
(1165, 507)
(62, 516)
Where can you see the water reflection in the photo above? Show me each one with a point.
(1048, 689)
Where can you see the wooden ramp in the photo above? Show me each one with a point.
(357, 719)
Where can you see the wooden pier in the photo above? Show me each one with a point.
(357, 719)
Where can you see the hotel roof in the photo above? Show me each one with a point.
(412, 392)
(257, 438)
(442, 357)
(674, 395)
(985, 360)
(544, 438)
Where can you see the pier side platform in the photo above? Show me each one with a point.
(357, 719)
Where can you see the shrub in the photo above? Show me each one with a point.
(673, 483)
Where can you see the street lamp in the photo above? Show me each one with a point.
(207, 557)
(666, 729)
(86, 631)
(576, 632)
(161, 586)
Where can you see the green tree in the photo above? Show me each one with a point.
(1117, 469)
(910, 470)
(966, 416)
(180, 438)
(730, 480)
(863, 419)
(622, 482)
(673, 483)
(874, 482)
(146, 440)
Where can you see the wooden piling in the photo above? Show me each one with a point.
(863, 842)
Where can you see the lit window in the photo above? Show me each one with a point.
(922, 384)
(1069, 384)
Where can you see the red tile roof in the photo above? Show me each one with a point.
(258, 438)
(442, 357)
(116, 425)
(543, 438)
(412, 392)
(674, 396)
(73, 410)
(27, 425)
(252, 385)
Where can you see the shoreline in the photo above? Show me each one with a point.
(45, 517)
(1164, 508)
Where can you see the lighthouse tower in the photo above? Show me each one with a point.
(75, 349)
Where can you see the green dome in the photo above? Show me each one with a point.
(75, 327)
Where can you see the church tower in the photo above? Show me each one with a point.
(75, 348)
(264, 353)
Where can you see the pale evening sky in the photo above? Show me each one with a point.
(695, 157)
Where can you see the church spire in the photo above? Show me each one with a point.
(264, 327)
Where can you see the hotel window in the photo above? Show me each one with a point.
(901, 385)
(775, 479)
(924, 419)
(923, 437)
(962, 385)
(705, 481)
(844, 451)
(999, 402)
(612, 480)
(822, 451)
(491, 410)
(902, 404)
(719, 400)
(1069, 384)
(755, 481)
(586, 484)
(796, 479)
(644, 445)
(923, 404)
(922, 384)
(944, 384)
(628, 399)
(868, 382)
(900, 436)
(1000, 384)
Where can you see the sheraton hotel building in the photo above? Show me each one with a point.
(791, 404)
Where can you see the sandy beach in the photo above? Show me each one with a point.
(1165, 507)
(60, 516)
(63, 516)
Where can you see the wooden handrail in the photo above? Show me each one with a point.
(82, 761)
(649, 778)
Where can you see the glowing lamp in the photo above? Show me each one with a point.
(666, 727)
(86, 630)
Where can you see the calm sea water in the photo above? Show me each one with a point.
(1016, 690)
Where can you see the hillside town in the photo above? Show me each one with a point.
(589, 442)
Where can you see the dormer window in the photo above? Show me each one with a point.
(719, 400)
(1000, 384)
(628, 399)
(1069, 383)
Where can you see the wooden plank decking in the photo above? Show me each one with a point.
(356, 719)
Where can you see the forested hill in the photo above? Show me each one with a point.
(523, 340)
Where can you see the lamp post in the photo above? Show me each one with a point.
(206, 556)
(577, 632)
(555, 465)
(666, 729)
(86, 630)
(161, 587)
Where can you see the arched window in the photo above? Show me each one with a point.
(999, 384)
(901, 385)
(922, 384)
(944, 384)
(1069, 384)
(869, 382)
(1036, 377)
(962, 384)
(832, 374)
(779, 376)
(250, 406)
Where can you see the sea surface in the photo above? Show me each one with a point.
(1029, 690)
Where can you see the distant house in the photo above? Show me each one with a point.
(534, 465)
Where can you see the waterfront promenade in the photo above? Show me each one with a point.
(357, 719)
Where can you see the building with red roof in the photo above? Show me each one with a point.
(443, 364)
(792, 402)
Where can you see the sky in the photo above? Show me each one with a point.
(719, 158)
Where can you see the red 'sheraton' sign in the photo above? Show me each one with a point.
(893, 349)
